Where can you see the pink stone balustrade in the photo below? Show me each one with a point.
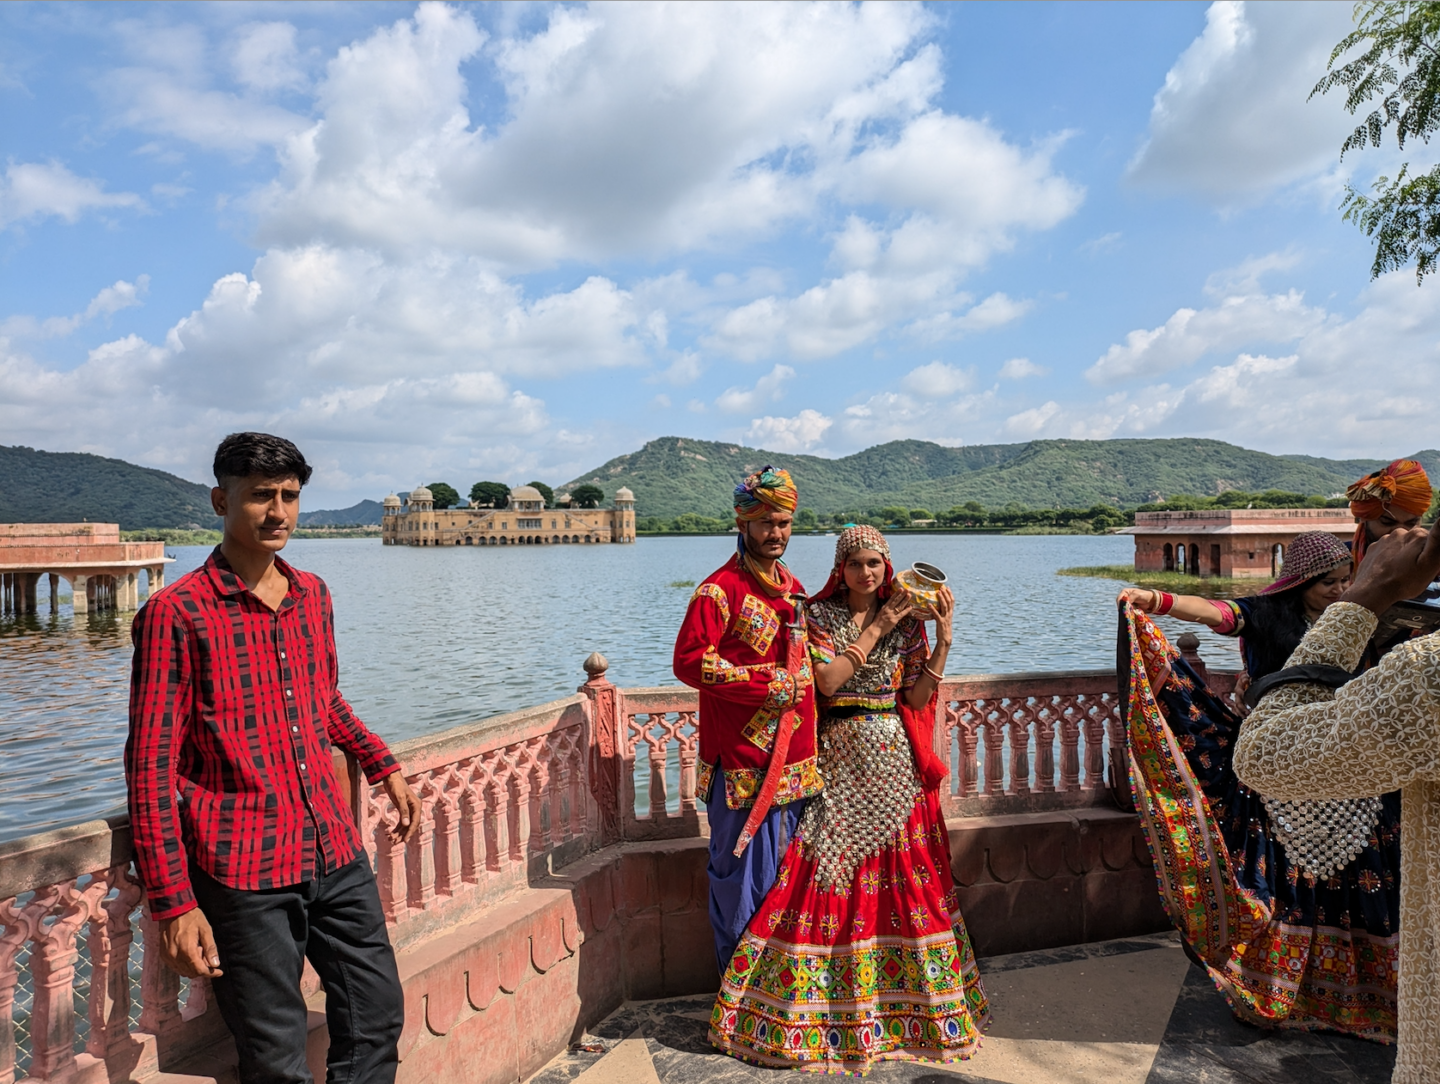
(505, 803)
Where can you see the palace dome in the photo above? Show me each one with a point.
(392, 501)
(420, 493)
(527, 493)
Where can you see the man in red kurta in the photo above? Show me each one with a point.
(742, 645)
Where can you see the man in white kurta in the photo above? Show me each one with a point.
(1380, 732)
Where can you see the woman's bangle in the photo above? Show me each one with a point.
(938, 677)
(1167, 600)
(856, 655)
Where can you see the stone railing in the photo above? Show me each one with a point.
(505, 803)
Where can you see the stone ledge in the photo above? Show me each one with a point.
(492, 999)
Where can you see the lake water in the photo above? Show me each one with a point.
(430, 639)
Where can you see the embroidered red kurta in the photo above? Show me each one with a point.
(732, 648)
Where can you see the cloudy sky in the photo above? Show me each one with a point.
(511, 241)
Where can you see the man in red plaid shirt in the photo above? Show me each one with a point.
(249, 855)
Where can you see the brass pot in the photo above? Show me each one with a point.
(921, 583)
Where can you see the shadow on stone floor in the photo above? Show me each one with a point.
(1205, 1044)
(1202, 1042)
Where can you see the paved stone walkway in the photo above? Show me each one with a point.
(1120, 1012)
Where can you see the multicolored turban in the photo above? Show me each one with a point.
(1402, 486)
(767, 490)
(1311, 554)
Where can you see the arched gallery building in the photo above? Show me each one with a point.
(524, 521)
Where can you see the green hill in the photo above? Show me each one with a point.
(69, 487)
(674, 475)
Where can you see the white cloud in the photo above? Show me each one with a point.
(35, 190)
(938, 380)
(1032, 422)
(1344, 387)
(685, 369)
(1232, 120)
(798, 434)
(995, 311)
(1020, 369)
(110, 300)
(1190, 334)
(264, 57)
(770, 388)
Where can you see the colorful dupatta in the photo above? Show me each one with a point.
(1284, 949)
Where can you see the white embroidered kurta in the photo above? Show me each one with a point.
(1379, 733)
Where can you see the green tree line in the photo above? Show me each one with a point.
(1097, 519)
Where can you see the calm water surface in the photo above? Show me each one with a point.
(434, 638)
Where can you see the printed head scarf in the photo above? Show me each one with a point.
(1311, 554)
(857, 537)
(767, 490)
(1403, 486)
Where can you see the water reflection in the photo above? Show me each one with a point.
(434, 638)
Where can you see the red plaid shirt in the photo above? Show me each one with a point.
(233, 711)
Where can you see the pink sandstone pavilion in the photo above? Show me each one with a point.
(1244, 543)
(103, 571)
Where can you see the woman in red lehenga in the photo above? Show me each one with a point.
(859, 953)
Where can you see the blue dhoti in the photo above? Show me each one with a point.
(738, 885)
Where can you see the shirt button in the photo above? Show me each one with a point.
(287, 692)
(302, 765)
(296, 729)
(282, 654)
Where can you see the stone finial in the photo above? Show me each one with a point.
(1187, 642)
(596, 665)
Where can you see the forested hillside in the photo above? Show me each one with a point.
(69, 487)
(672, 476)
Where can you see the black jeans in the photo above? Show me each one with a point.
(263, 939)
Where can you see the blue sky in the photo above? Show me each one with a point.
(511, 241)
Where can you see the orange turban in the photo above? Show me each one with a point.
(1403, 486)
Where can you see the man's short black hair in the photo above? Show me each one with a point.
(241, 455)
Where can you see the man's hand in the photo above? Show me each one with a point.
(406, 805)
(188, 947)
(1398, 566)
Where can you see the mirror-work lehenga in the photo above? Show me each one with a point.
(1287, 946)
(859, 952)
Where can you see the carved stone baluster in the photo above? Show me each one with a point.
(472, 832)
(1019, 748)
(577, 824)
(17, 924)
(159, 986)
(420, 851)
(1045, 746)
(1069, 744)
(659, 747)
(968, 739)
(542, 815)
(1094, 715)
(497, 793)
(389, 865)
(992, 727)
(447, 838)
(689, 751)
(113, 1028)
(518, 815)
(1119, 738)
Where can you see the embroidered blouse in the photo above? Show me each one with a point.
(893, 666)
